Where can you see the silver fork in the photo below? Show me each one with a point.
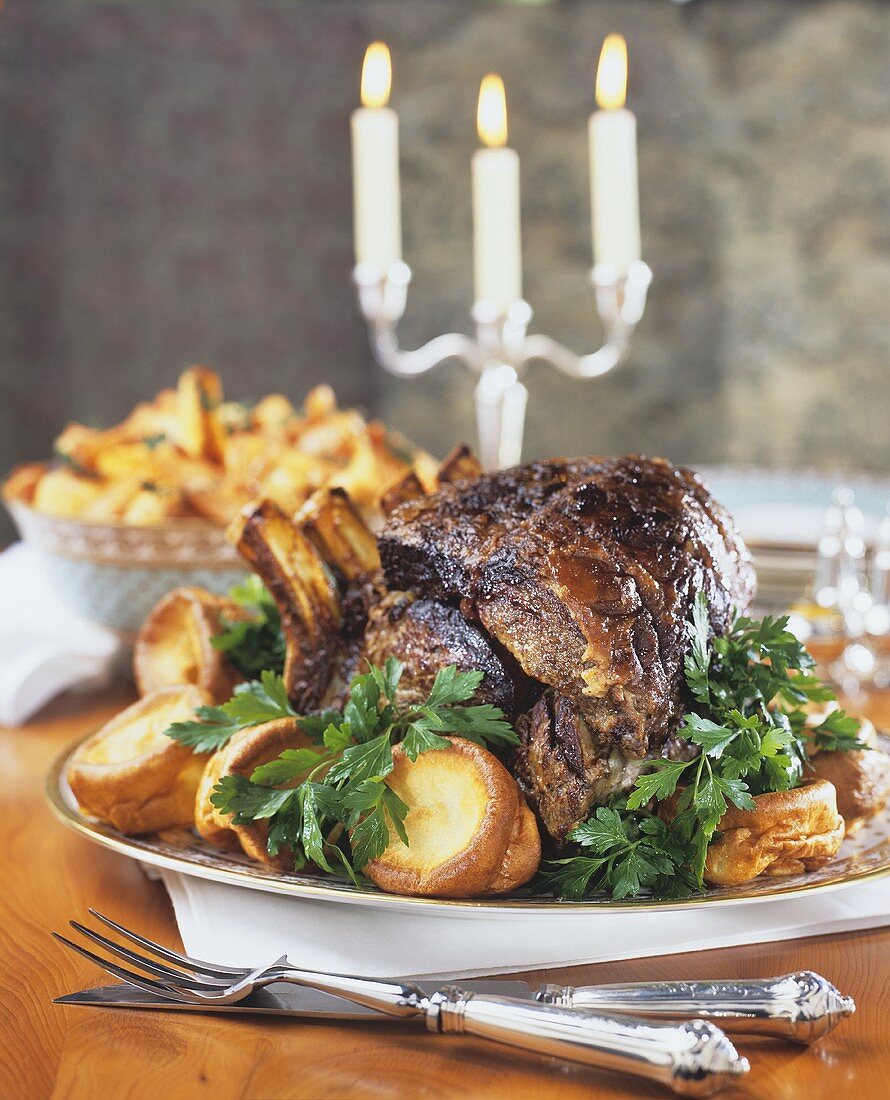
(694, 1058)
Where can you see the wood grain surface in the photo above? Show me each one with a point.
(48, 875)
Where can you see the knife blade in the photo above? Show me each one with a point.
(279, 999)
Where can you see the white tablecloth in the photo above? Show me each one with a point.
(44, 648)
(244, 927)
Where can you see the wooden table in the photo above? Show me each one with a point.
(48, 875)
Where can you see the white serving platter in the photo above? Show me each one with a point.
(237, 912)
(864, 855)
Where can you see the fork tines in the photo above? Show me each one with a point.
(181, 982)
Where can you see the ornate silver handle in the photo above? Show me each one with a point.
(802, 1007)
(694, 1058)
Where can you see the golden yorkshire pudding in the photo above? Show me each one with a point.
(788, 832)
(131, 774)
(241, 756)
(523, 855)
(469, 828)
(175, 644)
(861, 779)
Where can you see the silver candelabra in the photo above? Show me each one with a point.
(502, 348)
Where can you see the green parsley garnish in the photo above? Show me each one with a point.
(629, 851)
(253, 703)
(330, 804)
(751, 687)
(62, 458)
(256, 645)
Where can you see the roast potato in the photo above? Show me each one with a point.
(153, 503)
(788, 832)
(218, 501)
(64, 493)
(23, 481)
(469, 830)
(175, 644)
(131, 774)
(200, 430)
(241, 756)
(190, 453)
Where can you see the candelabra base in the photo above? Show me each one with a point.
(501, 400)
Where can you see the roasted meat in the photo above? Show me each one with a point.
(569, 584)
(564, 765)
(306, 596)
(585, 572)
(427, 635)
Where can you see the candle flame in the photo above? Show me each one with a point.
(376, 75)
(491, 115)
(611, 74)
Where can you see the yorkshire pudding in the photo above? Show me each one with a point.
(131, 774)
(788, 832)
(861, 778)
(241, 756)
(470, 831)
(175, 644)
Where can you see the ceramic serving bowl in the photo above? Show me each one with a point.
(114, 573)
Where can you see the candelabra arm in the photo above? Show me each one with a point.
(407, 363)
(598, 362)
(382, 298)
(620, 302)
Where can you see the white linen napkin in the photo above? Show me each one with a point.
(44, 648)
(245, 927)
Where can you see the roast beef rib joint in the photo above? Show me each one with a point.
(569, 583)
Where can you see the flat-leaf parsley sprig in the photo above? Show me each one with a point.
(254, 702)
(751, 688)
(329, 803)
(257, 644)
(623, 852)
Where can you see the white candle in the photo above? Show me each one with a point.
(497, 252)
(614, 190)
(375, 166)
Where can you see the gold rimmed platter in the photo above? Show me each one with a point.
(864, 855)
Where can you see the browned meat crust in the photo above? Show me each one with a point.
(585, 571)
(306, 597)
(568, 583)
(427, 636)
(564, 767)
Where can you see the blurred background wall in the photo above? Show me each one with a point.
(175, 187)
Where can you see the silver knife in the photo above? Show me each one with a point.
(693, 1058)
(279, 999)
(800, 1007)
